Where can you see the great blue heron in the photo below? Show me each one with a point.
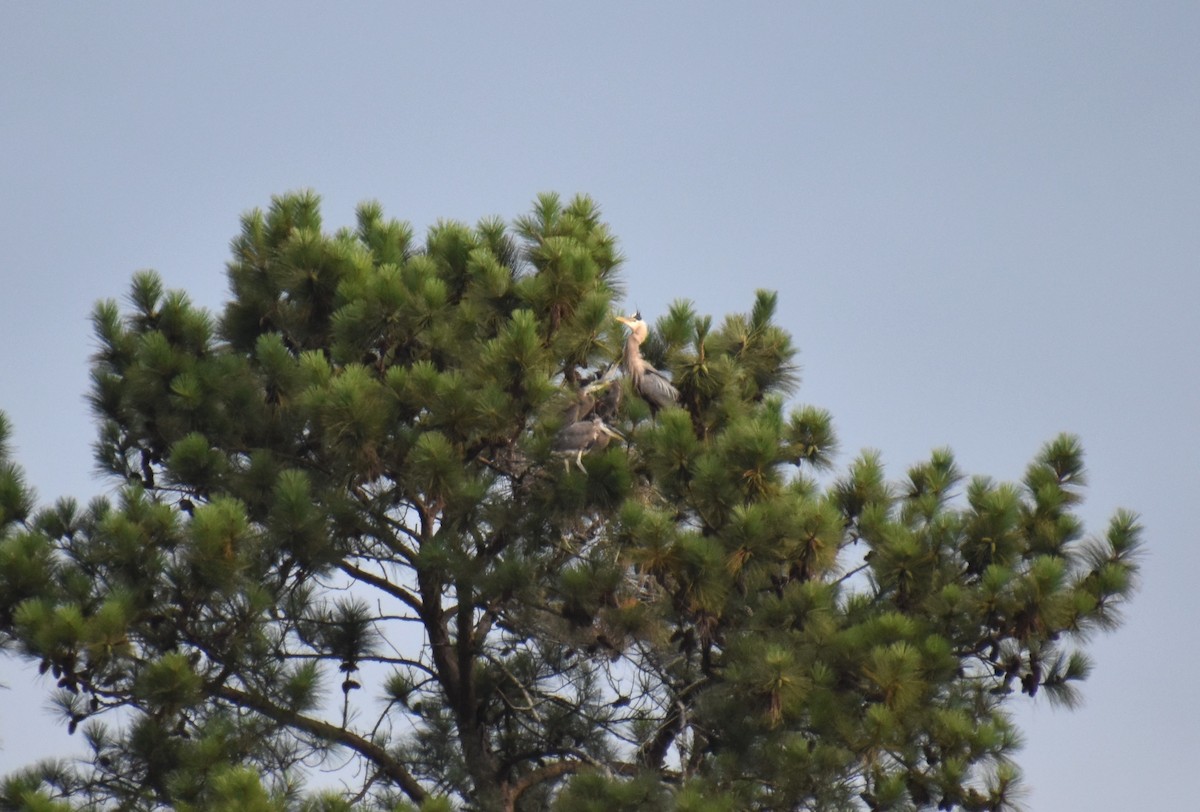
(577, 438)
(599, 396)
(654, 387)
(580, 408)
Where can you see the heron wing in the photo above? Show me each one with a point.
(657, 389)
(575, 436)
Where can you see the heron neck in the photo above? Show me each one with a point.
(633, 356)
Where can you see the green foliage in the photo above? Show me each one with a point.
(342, 538)
(16, 500)
(239, 789)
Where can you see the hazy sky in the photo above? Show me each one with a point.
(983, 221)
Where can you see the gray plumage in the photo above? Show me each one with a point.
(578, 438)
(608, 404)
(580, 409)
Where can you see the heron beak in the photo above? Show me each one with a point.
(611, 432)
(626, 320)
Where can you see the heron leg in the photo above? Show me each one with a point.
(579, 462)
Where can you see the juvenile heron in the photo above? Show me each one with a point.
(601, 396)
(578, 438)
(580, 408)
(654, 387)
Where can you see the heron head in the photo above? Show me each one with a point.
(637, 327)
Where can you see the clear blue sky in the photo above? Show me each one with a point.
(983, 221)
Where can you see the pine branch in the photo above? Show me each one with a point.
(382, 584)
(368, 749)
(545, 773)
(656, 750)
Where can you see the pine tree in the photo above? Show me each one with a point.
(342, 536)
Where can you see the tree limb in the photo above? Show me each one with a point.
(364, 747)
(382, 584)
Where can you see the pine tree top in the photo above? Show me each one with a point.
(344, 531)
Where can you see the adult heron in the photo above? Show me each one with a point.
(654, 387)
